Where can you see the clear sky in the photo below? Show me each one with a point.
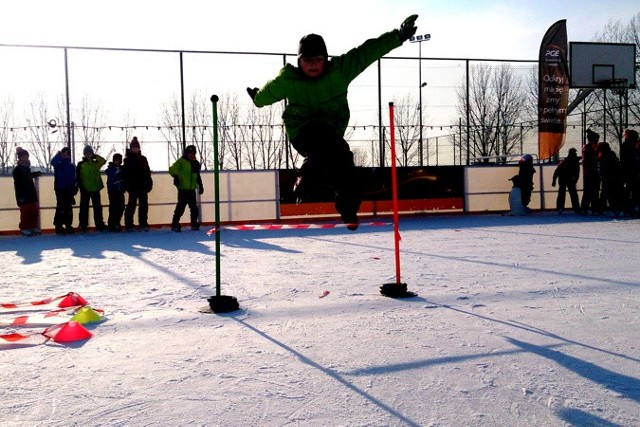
(465, 28)
(141, 83)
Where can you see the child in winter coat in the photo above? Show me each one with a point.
(26, 194)
(567, 174)
(115, 191)
(526, 172)
(317, 112)
(90, 184)
(516, 208)
(610, 179)
(590, 176)
(186, 177)
(65, 187)
(138, 183)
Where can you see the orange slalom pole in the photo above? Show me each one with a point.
(394, 189)
(397, 289)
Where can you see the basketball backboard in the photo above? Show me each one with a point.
(601, 65)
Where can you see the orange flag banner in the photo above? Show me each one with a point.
(553, 94)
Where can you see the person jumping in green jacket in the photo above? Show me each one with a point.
(317, 113)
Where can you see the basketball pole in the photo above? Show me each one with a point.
(397, 289)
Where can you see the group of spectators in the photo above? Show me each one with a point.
(610, 183)
(131, 175)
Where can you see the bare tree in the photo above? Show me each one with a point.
(619, 106)
(264, 147)
(40, 139)
(360, 156)
(171, 128)
(496, 102)
(407, 119)
(231, 133)
(127, 130)
(7, 136)
(198, 127)
(90, 125)
(199, 120)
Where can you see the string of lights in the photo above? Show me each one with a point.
(524, 125)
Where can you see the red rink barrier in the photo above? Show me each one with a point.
(71, 299)
(321, 226)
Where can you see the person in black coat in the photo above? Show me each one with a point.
(567, 174)
(525, 174)
(115, 191)
(590, 176)
(26, 194)
(138, 183)
(630, 170)
(610, 179)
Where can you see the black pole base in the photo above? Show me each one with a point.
(221, 304)
(396, 290)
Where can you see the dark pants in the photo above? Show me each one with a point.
(116, 208)
(186, 198)
(610, 195)
(591, 194)
(141, 199)
(64, 208)
(328, 170)
(563, 187)
(83, 214)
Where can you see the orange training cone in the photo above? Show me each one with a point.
(69, 332)
(72, 299)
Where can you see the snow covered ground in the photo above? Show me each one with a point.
(518, 321)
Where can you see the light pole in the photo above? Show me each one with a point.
(419, 39)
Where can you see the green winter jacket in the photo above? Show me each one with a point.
(325, 98)
(88, 174)
(186, 174)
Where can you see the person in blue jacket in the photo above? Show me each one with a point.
(65, 187)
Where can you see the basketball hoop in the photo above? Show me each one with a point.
(619, 86)
(613, 83)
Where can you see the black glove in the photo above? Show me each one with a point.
(176, 181)
(408, 28)
(200, 190)
(252, 92)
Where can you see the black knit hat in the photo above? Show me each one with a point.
(190, 149)
(312, 45)
(592, 134)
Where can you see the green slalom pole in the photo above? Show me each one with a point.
(216, 188)
(218, 303)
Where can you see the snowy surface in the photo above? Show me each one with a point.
(518, 321)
